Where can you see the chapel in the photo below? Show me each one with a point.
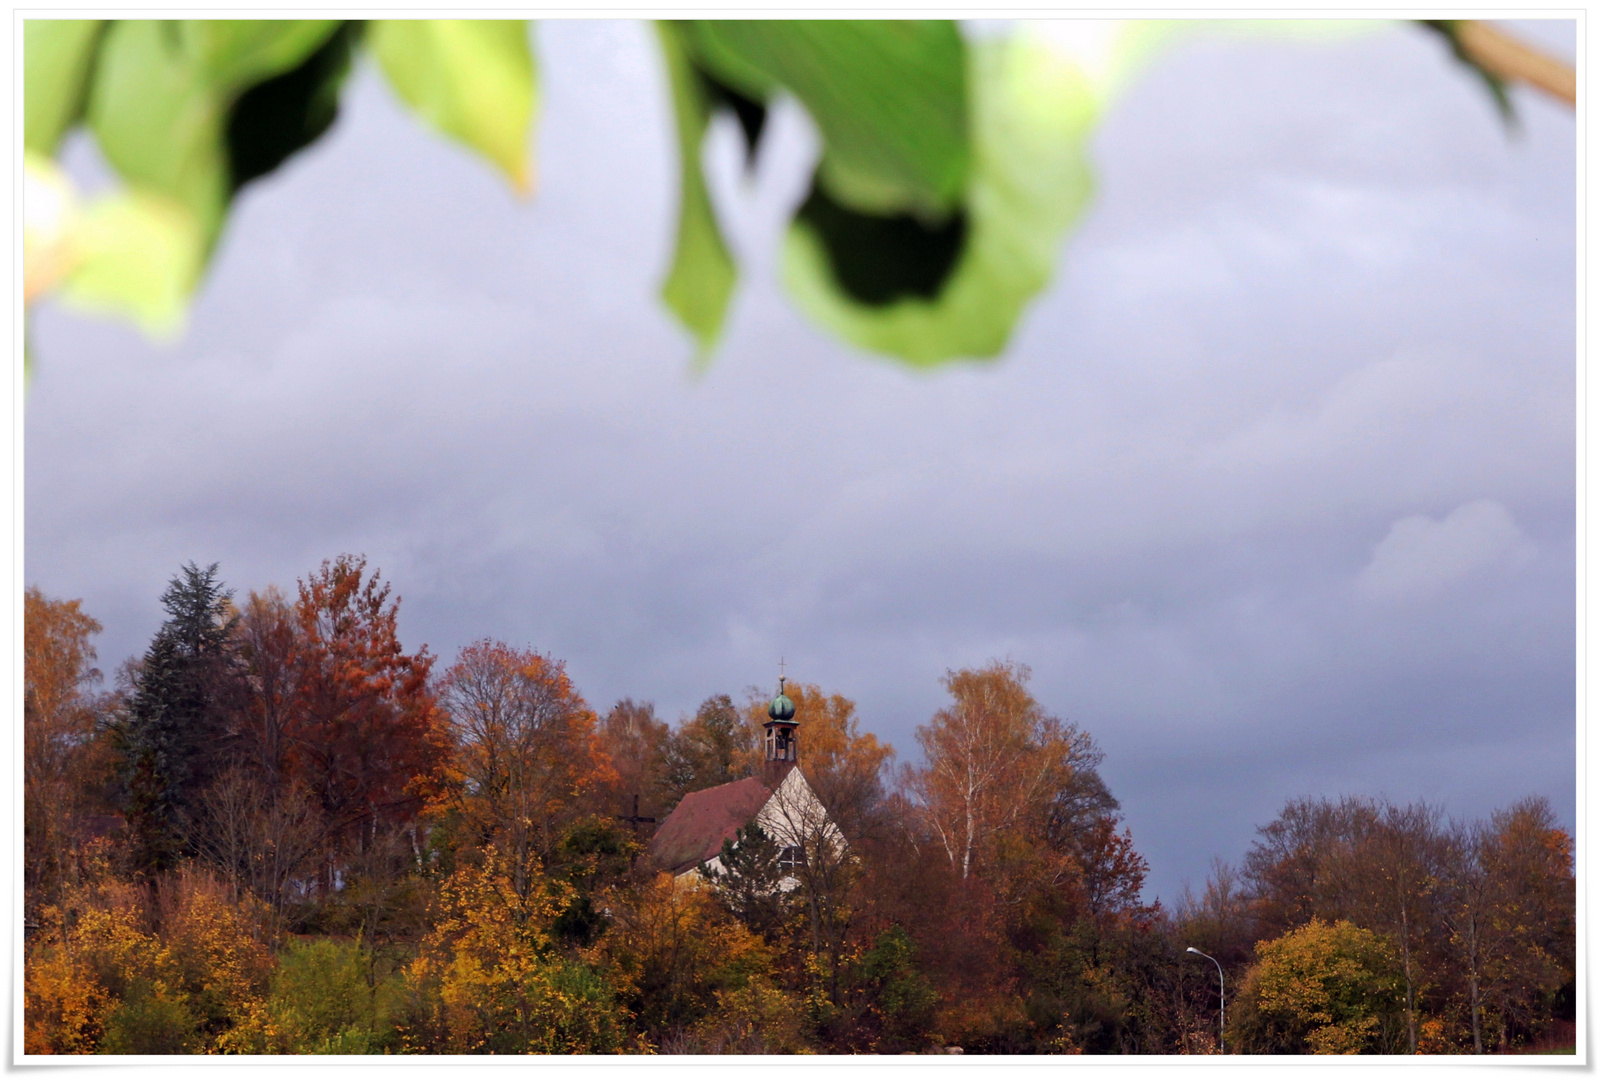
(777, 798)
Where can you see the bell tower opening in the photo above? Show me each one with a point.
(781, 728)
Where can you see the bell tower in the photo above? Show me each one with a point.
(781, 727)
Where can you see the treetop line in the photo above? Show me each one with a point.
(284, 833)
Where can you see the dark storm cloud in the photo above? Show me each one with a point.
(1274, 491)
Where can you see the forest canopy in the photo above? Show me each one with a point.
(282, 831)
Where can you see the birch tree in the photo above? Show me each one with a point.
(995, 759)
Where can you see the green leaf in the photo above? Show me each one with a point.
(57, 55)
(1031, 114)
(470, 79)
(235, 53)
(889, 97)
(162, 94)
(701, 280)
(138, 255)
(158, 121)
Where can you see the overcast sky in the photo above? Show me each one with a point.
(1274, 490)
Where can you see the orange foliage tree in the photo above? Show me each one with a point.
(268, 643)
(1528, 948)
(369, 739)
(636, 741)
(58, 723)
(527, 755)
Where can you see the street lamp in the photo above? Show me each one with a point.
(1198, 952)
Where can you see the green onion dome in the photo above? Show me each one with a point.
(782, 708)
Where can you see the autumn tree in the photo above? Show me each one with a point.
(759, 1017)
(1525, 933)
(636, 742)
(1011, 799)
(710, 748)
(1289, 867)
(1220, 921)
(1325, 988)
(369, 742)
(994, 758)
(1372, 862)
(269, 646)
(1443, 897)
(258, 823)
(59, 714)
(257, 839)
(1387, 875)
(490, 979)
(174, 966)
(526, 751)
(672, 949)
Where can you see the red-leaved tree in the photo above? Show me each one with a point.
(369, 738)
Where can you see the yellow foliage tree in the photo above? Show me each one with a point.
(489, 980)
(215, 952)
(757, 1018)
(100, 977)
(670, 951)
(1325, 988)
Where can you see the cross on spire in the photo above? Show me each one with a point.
(781, 674)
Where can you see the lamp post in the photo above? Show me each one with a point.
(1198, 952)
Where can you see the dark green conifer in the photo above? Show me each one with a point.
(174, 734)
(750, 882)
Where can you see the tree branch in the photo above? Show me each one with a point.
(1506, 56)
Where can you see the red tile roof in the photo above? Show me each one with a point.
(694, 832)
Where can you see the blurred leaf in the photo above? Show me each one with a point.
(470, 79)
(157, 119)
(288, 112)
(162, 93)
(890, 98)
(49, 216)
(1031, 114)
(235, 53)
(137, 255)
(1450, 30)
(57, 55)
(701, 280)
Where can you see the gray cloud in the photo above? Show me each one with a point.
(1313, 342)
